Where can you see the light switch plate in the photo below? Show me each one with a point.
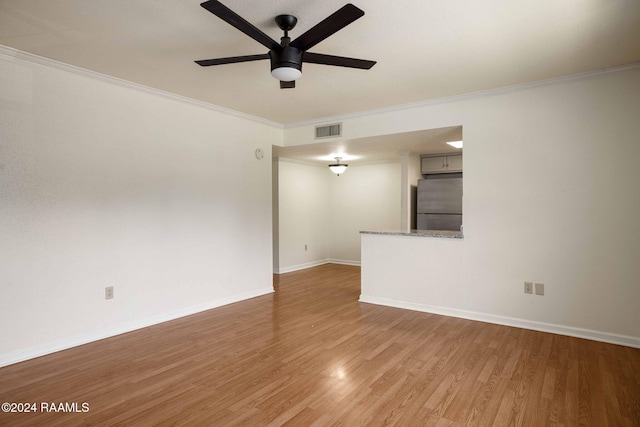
(539, 288)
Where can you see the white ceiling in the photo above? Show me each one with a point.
(374, 149)
(424, 49)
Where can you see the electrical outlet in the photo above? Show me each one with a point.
(539, 288)
(305, 247)
(108, 292)
(528, 287)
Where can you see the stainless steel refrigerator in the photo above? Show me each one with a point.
(439, 203)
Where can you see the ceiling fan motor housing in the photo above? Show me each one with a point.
(288, 56)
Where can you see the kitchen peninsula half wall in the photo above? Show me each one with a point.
(416, 270)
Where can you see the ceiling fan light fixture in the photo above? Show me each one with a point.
(338, 167)
(286, 64)
(286, 74)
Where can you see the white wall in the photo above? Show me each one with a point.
(410, 175)
(551, 195)
(414, 175)
(105, 185)
(303, 194)
(402, 270)
(365, 197)
(327, 212)
(275, 214)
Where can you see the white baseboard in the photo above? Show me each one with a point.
(291, 268)
(33, 352)
(508, 321)
(314, 264)
(343, 262)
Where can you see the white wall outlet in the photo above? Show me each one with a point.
(108, 292)
(528, 287)
(539, 288)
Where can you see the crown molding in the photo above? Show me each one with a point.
(40, 60)
(51, 63)
(466, 96)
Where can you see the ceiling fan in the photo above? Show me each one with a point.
(287, 56)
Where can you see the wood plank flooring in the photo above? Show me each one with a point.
(310, 354)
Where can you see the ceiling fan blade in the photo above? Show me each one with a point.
(330, 25)
(340, 61)
(287, 85)
(231, 60)
(232, 18)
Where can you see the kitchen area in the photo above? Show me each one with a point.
(398, 265)
(434, 199)
(439, 193)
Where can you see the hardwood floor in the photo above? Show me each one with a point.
(310, 354)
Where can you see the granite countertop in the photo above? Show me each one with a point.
(419, 233)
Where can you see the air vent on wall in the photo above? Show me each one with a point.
(329, 131)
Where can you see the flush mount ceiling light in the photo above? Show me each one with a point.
(455, 144)
(338, 167)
